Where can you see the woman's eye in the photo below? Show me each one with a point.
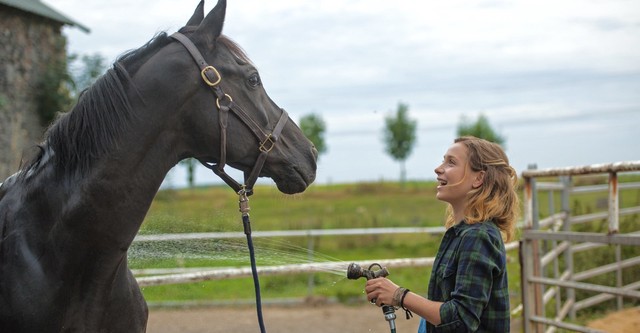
(254, 80)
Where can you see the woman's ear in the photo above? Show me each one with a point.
(477, 182)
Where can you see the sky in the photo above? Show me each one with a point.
(560, 80)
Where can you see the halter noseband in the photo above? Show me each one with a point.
(224, 103)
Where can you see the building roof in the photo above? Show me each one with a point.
(38, 8)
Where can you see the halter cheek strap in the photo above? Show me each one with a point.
(225, 103)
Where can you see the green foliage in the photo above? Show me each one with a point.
(85, 70)
(190, 164)
(400, 136)
(480, 129)
(314, 127)
(63, 81)
(400, 133)
(53, 95)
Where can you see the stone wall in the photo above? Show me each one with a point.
(27, 44)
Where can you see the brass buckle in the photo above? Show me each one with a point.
(206, 79)
(266, 141)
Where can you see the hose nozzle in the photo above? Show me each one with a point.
(354, 271)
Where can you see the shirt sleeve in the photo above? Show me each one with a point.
(478, 261)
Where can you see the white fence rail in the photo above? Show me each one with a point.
(289, 233)
(162, 276)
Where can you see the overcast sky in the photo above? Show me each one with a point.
(559, 79)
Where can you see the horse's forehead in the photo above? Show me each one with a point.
(231, 56)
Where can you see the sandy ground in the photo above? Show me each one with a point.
(280, 319)
(320, 318)
(626, 321)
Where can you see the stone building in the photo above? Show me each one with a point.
(30, 41)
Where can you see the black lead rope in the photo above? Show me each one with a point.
(243, 202)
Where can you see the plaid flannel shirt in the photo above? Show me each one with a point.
(470, 276)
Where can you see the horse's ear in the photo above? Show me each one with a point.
(212, 24)
(197, 16)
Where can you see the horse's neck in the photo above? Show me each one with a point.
(105, 206)
(121, 189)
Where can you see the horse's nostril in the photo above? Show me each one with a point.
(314, 152)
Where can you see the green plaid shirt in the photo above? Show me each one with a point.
(470, 276)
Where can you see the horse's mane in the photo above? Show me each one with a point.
(91, 129)
(133, 59)
(80, 137)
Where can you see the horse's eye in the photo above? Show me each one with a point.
(254, 80)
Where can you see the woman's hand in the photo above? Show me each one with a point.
(380, 291)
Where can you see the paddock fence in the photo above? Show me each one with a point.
(554, 288)
(550, 239)
(161, 276)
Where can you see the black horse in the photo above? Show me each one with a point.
(68, 216)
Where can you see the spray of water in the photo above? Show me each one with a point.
(229, 252)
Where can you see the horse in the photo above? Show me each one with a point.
(69, 215)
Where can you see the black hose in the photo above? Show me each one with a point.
(254, 271)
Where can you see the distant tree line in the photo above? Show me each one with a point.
(399, 133)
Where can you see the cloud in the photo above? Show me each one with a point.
(533, 67)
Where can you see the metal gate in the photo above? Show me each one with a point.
(552, 288)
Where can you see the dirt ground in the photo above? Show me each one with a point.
(320, 318)
(626, 321)
(278, 319)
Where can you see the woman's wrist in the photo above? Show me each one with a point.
(398, 295)
(398, 300)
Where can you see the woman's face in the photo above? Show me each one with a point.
(455, 178)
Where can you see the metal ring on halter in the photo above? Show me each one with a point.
(225, 95)
(203, 73)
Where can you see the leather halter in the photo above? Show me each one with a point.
(224, 103)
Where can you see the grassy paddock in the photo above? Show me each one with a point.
(381, 204)
(320, 207)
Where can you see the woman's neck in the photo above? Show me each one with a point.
(458, 212)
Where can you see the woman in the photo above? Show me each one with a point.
(468, 289)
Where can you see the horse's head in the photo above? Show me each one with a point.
(205, 102)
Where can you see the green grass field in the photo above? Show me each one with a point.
(320, 207)
(215, 209)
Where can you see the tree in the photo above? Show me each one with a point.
(88, 70)
(314, 128)
(190, 164)
(480, 129)
(63, 81)
(53, 95)
(400, 136)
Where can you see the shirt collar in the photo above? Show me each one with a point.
(463, 225)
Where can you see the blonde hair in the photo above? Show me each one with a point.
(496, 199)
